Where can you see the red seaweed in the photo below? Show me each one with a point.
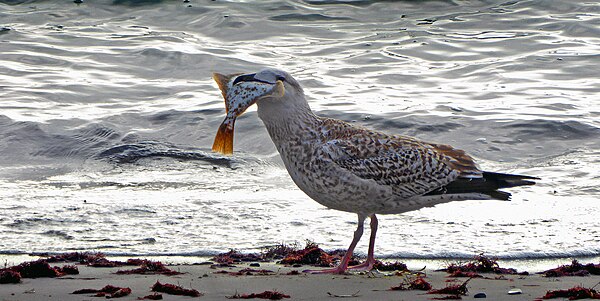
(574, 269)
(481, 264)
(338, 254)
(67, 270)
(105, 263)
(449, 297)
(222, 272)
(122, 292)
(390, 266)
(271, 295)
(246, 272)
(249, 272)
(81, 257)
(155, 296)
(463, 274)
(9, 276)
(457, 289)
(234, 256)
(135, 261)
(174, 290)
(277, 252)
(311, 254)
(574, 293)
(108, 291)
(36, 269)
(97, 260)
(149, 267)
(418, 283)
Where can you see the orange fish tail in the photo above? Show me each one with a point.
(224, 140)
(223, 82)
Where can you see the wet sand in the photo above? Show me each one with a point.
(220, 286)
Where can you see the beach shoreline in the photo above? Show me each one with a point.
(223, 282)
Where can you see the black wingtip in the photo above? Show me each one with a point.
(499, 195)
(507, 176)
(504, 180)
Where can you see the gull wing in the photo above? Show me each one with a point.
(409, 166)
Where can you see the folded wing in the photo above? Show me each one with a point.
(411, 167)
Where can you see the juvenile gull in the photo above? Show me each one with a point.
(350, 168)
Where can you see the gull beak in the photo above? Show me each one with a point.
(278, 91)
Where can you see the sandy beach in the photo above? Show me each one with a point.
(215, 284)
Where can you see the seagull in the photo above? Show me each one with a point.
(354, 169)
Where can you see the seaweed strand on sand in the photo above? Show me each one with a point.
(107, 291)
(455, 290)
(415, 283)
(35, 269)
(573, 269)
(574, 293)
(173, 289)
(479, 264)
(150, 267)
(270, 295)
(9, 276)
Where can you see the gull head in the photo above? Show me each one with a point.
(240, 92)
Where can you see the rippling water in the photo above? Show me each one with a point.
(108, 111)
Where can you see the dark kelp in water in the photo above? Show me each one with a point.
(108, 291)
(270, 295)
(174, 290)
(573, 269)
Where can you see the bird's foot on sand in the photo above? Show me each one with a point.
(337, 270)
(365, 266)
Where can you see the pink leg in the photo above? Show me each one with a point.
(368, 265)
(340, 269)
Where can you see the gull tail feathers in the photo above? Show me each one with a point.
(488, 184)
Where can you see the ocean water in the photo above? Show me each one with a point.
(108, 111)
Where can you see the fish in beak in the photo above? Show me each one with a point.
(240, 91)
